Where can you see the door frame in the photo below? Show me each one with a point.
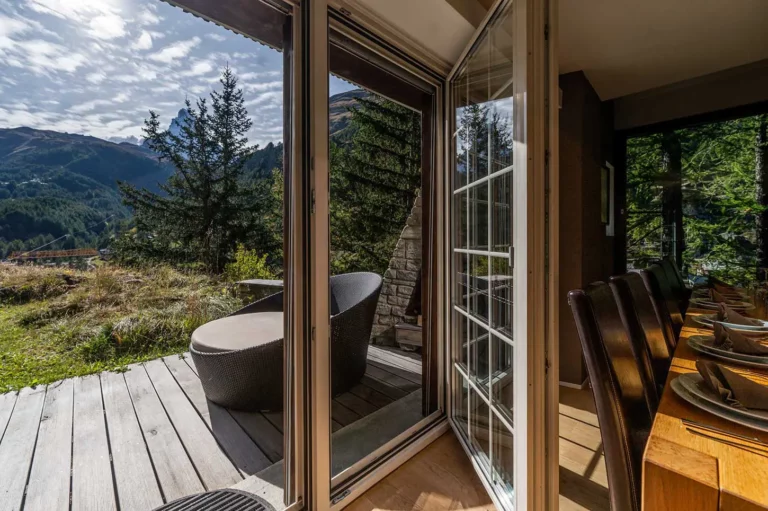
(535, 228)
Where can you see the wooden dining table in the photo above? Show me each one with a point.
(693, 467)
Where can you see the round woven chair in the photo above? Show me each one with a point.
(243, 370)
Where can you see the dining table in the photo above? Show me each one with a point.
(695, 460)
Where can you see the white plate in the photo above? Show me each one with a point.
(706, 304)
(708, 320)
(691, 388)
(703, 344)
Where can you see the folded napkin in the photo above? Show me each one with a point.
(734, 389)
(728, 339)
(716, 297)
(726, 289)
(725, 313)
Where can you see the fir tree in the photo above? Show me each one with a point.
(208, 206)
(374, 183)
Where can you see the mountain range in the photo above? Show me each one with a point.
(53, 184)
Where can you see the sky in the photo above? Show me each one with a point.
(96, 67)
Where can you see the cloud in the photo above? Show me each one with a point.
(39, 56)
(107, 26)
(175, 51)
(95, 78)
(199, 68)
(144, 42)
(216, 37)
(88, 106)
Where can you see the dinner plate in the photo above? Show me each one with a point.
(703, 344)
(691, 388)
(708, 320)
(706, 304)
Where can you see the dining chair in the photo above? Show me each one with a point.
(619, 388)
(641, 321)
(655, 280)
(681, 293)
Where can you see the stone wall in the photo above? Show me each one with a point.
(400, 281)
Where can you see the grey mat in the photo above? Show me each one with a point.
(218, 500)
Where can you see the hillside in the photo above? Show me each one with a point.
(52, 183)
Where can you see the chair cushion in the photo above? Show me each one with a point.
(238, 332)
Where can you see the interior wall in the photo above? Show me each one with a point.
(586, 252)
(735, 87)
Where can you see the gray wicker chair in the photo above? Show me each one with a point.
(252, 378)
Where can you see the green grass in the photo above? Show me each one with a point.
(57, 323)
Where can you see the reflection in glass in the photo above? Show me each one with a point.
(501, 213)
(479, 424)
(478, 287)
(461, 338)
(501, 284)
(503, 454)
(479, 342)
(502, 377)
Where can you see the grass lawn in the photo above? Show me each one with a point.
(57, 323)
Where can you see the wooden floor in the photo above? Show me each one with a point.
(147, 436)
(441, 477)
(583, 479)
(438, 478)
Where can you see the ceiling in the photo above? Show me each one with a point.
(623, 46)
(626, 46)
(434, 26)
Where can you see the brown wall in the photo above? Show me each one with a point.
(586, 253)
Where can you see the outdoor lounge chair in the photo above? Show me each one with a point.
(239, 358)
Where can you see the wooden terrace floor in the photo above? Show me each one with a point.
(148, 436)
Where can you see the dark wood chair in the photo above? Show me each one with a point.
(657, 284)
(620, 387)
(676, 283)
(640, 319)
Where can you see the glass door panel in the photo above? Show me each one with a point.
(484, 253)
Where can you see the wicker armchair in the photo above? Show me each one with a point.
(252, 378)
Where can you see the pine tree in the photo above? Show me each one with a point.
(374, 182)
(208, 205)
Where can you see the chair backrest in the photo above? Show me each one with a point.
(676, 283)
(642, 323)
(349, 289)
(662, 293)
(619, 390)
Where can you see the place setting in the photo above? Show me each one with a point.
(712, 298)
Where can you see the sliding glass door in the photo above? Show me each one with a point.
(497, 251)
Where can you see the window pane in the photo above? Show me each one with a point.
(478, 287)
(479, 424)
(503, 455)
(478, 217)
(478, 355)
(501, 213)
(502, 378)
(461, 339)
(501, 284)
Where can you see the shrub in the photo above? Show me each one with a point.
(248, 264)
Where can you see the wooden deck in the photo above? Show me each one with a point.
(148, 436)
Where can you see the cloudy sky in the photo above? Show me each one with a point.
(96, 67)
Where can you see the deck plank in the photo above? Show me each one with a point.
(262, 432)
(402, 373)
(377, 373)
(173, 467)
(137, 486)
(7, 402)
(370, 395)
(48, 487)
(18, 446)
(342, 414)
(214, 467)
(388, 390)
(245, 454)
(92, 488)
(356, 404)
(394, 359)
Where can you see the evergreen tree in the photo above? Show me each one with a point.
(374, 183)
(209, 205)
